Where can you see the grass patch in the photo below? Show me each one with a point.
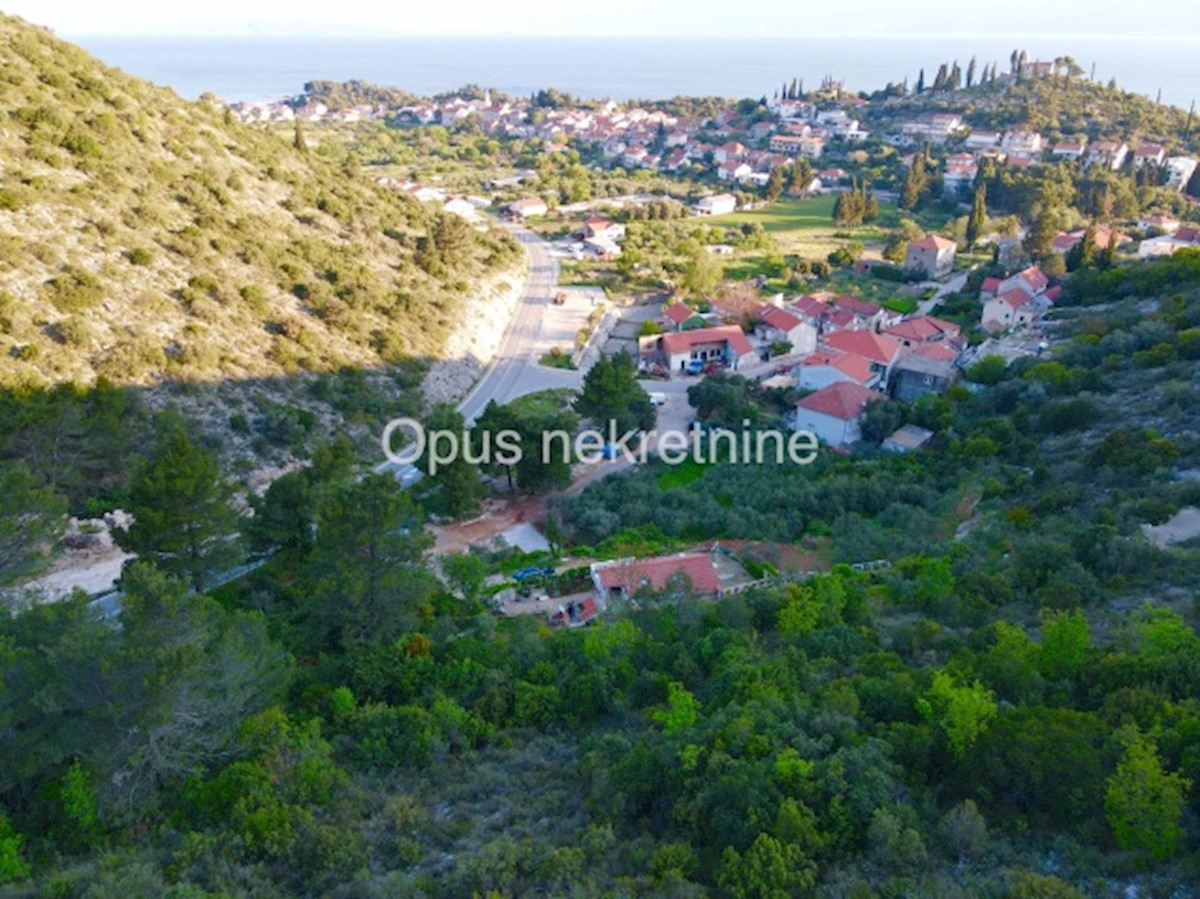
(543, 402)
(687, 472)
(557, 358)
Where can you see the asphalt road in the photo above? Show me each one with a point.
(515, 371)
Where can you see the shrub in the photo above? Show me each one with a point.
(140, 256)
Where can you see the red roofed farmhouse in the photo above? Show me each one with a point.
(933, 255)
(623, 578)
(834, 413)
(726, 345)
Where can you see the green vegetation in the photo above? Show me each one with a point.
(245, 257)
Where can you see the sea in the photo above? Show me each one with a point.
(270, 68)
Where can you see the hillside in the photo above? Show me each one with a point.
(144, 239)
(1055, 107)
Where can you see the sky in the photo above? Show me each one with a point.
(657, 18)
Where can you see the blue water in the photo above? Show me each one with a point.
(253, 68)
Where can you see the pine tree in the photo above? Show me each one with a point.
(921, 82)
(183, 517)
(943, 75)
(971, 72)
(978, 217)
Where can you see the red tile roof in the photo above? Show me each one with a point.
(990, 285)
(1015, 297)
(844, 400)
(678, 313)
(940, 351)
(777, 318)
(683, 341)
(636, 574)
(876, 347)
(850, 364)
(922, 328)
(858, 307)
(810, 307)
(933, 242)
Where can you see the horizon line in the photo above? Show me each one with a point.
(323, 32)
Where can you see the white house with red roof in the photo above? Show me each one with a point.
(1165, 224)
(728, 151)
(734, 170)
(1018, 301)
(1110, 154)
(879, 349)
(1070, 149)
(923, 329)
(1185, 237)
(774, 324)
(1104, 238)
(528, 207)
(623, 579)
(1155, 153)
(675, 314)
(826, 367)
(834, 413)
(724, 345)
(932, 254)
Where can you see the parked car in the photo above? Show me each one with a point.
(532, 571)
(694, 367)
(657, 399)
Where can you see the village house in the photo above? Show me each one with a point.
(961, 170)
(720, 204)
(867, 315)
(1153, 153)
(808, 145)
(936, 128)
(528, 207)
(982, 140)
(776, 325)
(1184, 238)
(726, 345)
(1107, 153)
(598, 226)
(1105, 237)
(1070, 149)
(1017, 301)
(1179, 172)
(1022, 143)
(834, 413)
(674, 315)
(622, 579)
(733, 170)
(923, 329)
(878, 349)
(728, 151)
(827, 367)
(1164, 224)
(933, 255)
(918, 374)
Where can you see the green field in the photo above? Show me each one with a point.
(787, 215)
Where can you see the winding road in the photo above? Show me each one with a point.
(515, 371)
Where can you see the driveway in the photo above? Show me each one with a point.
(954, 285)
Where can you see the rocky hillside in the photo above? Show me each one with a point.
(144, 239)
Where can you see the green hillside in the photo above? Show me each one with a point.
(144, 237)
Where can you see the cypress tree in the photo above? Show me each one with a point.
(978, 216)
